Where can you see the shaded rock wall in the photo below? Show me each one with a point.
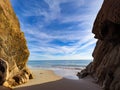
(105, 67)
(13, 48)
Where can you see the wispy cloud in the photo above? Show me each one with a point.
(58, 29)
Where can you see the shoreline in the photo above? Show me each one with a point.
(48, 80)
(67, 73)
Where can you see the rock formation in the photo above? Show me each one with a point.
(105, 67)
(13, 49)
(4, 70)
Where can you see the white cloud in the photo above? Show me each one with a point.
(39, 37)
(49, 50)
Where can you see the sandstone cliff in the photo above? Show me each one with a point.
(105, 67)
(13, 49)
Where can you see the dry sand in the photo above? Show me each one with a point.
(48, 80)
(5, 88)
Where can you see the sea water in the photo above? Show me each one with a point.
(65, 68)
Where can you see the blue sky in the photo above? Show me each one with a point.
(58, 29)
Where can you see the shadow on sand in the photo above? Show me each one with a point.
(63, 84)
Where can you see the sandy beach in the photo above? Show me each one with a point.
(48, 80)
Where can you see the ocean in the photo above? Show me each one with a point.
(65, 68)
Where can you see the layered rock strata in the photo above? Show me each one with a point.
(13, 49)
(105, 67)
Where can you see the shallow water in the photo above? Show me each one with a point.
(65, 68)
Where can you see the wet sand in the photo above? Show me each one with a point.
(48, 80)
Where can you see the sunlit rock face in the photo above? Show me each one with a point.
(105, 67)
(13, 49)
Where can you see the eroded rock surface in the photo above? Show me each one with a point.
(13, 49)
(105, 67)
(4, 71)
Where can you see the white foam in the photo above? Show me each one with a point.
(69, 73)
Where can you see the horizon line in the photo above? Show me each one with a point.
(60, 59)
